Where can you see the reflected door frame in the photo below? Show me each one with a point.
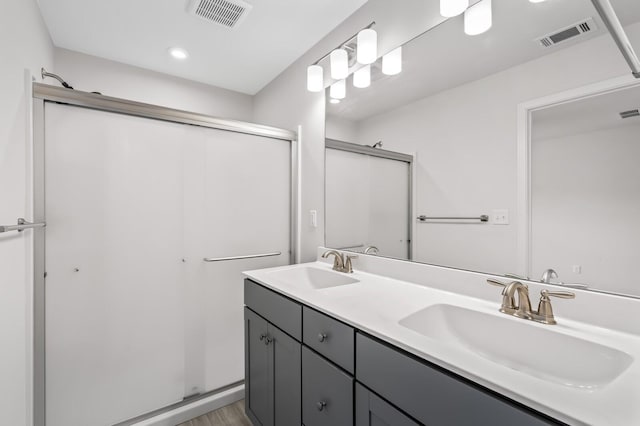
(525, 111)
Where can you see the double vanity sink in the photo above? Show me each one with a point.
(573, 372)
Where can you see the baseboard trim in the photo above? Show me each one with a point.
(195, 409)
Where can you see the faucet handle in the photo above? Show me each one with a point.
(348, 265)
(496, 283)
(560, 294)
(545, 311)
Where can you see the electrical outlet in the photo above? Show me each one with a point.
(500, 217)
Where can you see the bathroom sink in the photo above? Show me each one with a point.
(312, 278)
(518, 344)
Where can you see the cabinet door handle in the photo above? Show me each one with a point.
(266, 339)
(321, 405)
(322, 337)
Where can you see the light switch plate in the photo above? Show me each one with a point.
(313, 218)
(500, 217)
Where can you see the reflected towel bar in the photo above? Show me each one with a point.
(250, 256)
(21, 226)
(481, 218)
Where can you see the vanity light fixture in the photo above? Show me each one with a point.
(338, 89)
(339, 64)
(367, 47)
(451, 8)
(178, 53)
(392, 62)
(362, 77)
(478, 18)
(536, 1)
(315, 78)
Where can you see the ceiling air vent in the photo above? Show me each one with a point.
(630, 113)
(586, 26)
(227, 13)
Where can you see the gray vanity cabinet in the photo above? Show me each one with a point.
(304, 367)
(272, 359)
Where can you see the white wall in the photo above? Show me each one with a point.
(93, 74)
(25, 44)
(341, 129)
(585, 197)
(285, 102)
(465, 138)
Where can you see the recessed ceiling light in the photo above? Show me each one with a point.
(334, 101)
(178, 53)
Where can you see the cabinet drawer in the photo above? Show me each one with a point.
(329, 337)
(327, 392)
(277, 309)
(431, 395)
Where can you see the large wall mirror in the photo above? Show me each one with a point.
(428, 165)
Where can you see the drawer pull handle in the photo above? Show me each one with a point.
(321, 405)
(322, 337)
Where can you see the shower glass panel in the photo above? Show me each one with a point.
(237, 203)
(367, 203)
(136, 320)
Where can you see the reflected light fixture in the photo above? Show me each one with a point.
(315, 78)
(334, 101)
(478, 18)
(367, 47)
(178, 53)
(362, 77)
(392, 62)
(451, 8)
(536, 1)
(338, 89)
(339, 64)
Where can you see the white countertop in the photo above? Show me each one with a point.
(376, 304)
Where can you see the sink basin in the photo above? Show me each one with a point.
(312, 278)
(523, 346)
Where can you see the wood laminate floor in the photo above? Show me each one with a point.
(231, 415)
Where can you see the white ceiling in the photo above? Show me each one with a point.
(445, 57)
(245, 59)
(586, 115)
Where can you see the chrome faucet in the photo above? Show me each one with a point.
(340, 263)
(522, 309)
(548, 275)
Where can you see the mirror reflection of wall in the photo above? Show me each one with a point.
(455, 108)
(585, 190)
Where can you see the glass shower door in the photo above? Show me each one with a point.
(114, 295)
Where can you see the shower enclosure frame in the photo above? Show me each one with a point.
(43, 93)
(381, 153)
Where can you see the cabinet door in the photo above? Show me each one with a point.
(258, 372)
(327, 392)
(287, 380)
(372, 410)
